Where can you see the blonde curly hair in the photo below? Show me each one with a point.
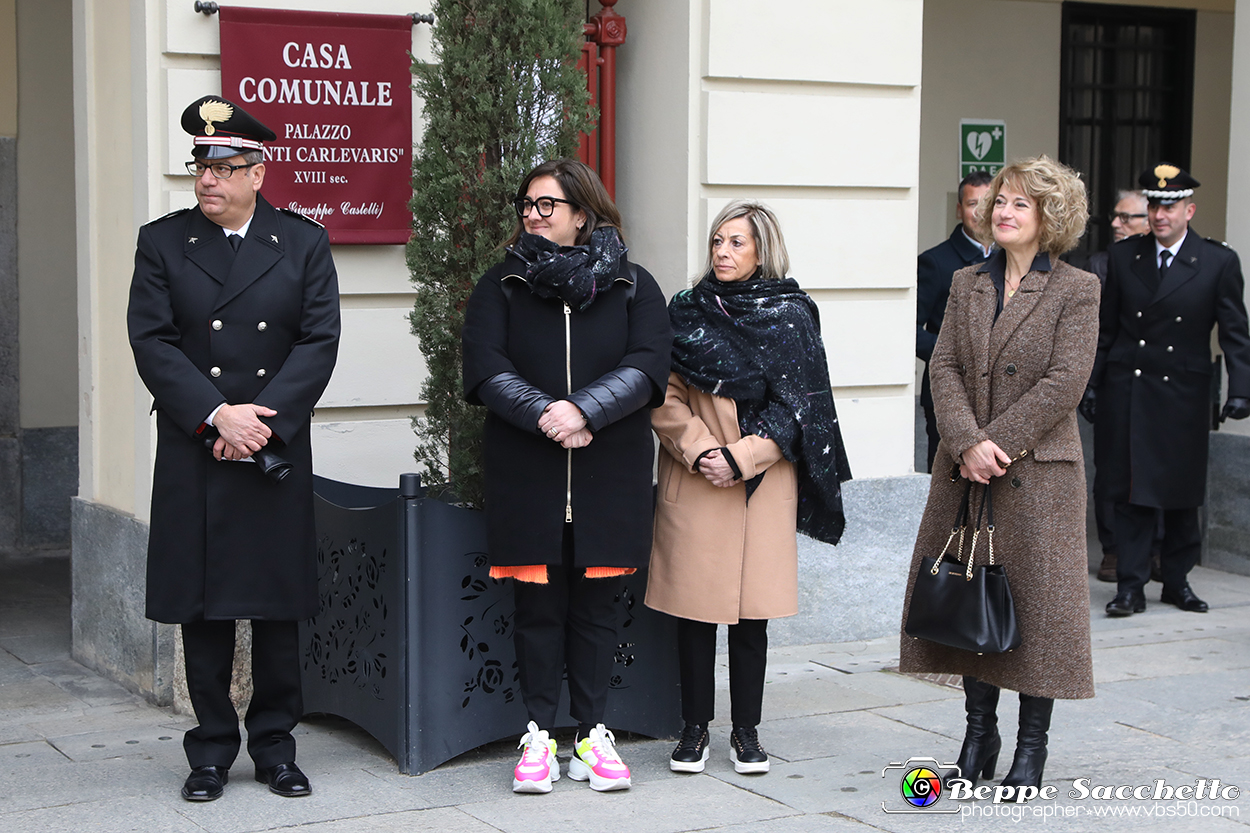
(1058, 192)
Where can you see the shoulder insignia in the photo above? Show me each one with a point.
(1217, 242)
(176, 213)
(306, 219)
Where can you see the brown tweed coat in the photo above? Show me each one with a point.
(1017, 382)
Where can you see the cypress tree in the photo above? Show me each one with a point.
(502, 94)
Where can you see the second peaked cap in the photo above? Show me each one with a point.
(1166, 184)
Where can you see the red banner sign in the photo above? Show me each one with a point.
(335, 88)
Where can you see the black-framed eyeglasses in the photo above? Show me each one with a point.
(546, 205)
(220, 170)
(1125, 217)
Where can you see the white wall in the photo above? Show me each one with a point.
(731, 99)
(1238, 229)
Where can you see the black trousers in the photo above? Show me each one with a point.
(277, 703)
(1135, 533)
(748, 658)
(1104, 516)
(567, 623)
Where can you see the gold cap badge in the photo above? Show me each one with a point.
(212, 111)
(1166, 172)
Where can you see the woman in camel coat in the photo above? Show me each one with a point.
(1009, 368)
(751, 453)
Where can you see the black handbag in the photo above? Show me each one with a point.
(960, 605)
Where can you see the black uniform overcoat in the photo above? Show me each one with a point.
(208, 327)
(531, 481)
(1153, 367)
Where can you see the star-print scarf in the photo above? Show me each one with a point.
(574, 274)
(758, 342)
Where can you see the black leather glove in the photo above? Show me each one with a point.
(1236, 407)
(614, 395)
(1088, 407)
(509, 396)
(270, 461)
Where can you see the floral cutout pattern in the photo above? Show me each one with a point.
(347, 640)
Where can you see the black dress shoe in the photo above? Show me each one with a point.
(205, 783)
(1184, 598)
(1126, 603)
(284, 779)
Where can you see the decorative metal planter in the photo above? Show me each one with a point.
(414, 639)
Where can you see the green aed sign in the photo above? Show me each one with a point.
(982, 146)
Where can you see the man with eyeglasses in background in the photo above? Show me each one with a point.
(234, 324)
(1128, 219)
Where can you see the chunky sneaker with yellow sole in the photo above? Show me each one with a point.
(538, 766)
(595, 759)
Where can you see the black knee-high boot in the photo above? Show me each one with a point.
(982, 743)
(1030, 760)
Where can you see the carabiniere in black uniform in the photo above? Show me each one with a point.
(211, 327)
(1152, 382)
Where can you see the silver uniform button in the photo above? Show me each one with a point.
(217, 324)
(1137, 372)
(1139, 313)
(1178, 319)
(260, 372)
(1165, 378)
(215, 372)
(1170, 348)
(1141, 343)
(262, 326)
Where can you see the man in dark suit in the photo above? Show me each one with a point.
(1151, 384)
(234, 323)
(934, 268)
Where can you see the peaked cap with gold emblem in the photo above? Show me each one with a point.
(222, 128)
(1165, 184)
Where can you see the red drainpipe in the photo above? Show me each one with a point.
(607, 31)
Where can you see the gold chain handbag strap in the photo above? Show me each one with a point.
(961, 525)
(986, 510)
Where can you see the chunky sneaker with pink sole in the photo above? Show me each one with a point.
(595, 759)
(538, 766)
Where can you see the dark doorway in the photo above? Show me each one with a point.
(1126, 98)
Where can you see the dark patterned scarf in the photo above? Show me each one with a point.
(758, 342)
(574, 274)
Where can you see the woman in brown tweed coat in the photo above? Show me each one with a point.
(1009, 368)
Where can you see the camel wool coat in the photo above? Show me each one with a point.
(714, 557)
(1017, 382)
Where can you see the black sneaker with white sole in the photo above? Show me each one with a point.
(745, 751)
(692, 750)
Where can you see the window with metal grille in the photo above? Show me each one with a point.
(1126, 98)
